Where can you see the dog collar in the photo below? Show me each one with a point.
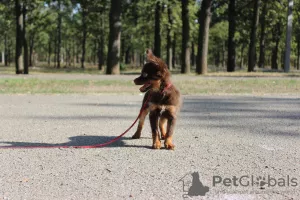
(166, 87)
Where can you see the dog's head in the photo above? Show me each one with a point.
(154, 73)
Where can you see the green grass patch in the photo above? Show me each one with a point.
(186, 86)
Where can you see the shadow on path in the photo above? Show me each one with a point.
(79, 141)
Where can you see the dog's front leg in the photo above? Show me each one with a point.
(154, 115)
(170, 130)
(138, 132)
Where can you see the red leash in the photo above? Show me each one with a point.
(88, 146)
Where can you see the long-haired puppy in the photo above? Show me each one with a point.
(164, 101)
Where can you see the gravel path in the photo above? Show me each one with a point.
(218, 137)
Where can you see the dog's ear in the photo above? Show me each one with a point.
(151, 57)
(149, 52)
(157, 61)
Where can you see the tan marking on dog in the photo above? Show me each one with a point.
(162, 128)
(155, 85)
(170, 108)
(156, 141)
(169, 144)
(138, 132)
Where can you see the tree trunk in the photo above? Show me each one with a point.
(55, 51)
(133, 58)
(113, 56)
(223, 54)
(9, 57)
(31, 45)
(217, 58)
(84, 34)
(204, 19)
(49, 52)
(276, 33)
(287, 55)
(19, 38)
(25, 44)
(174, 51)
(73, 53)
(2, 58)
(58, 34)
(231, 32)
(261, 61)
(157, 34)
(5, 51)
(185, 52)
(251, 60)
(141, 60)
(102, 43)
(127, 55)
(242, 56)
(193, 55)
(77, 55)
(274, 62)
(298, 51)
(169, 38)
(99, 56)
(101, 51)
(282, 58)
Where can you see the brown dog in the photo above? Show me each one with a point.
(163, 103)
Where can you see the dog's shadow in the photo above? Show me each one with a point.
(82, 140)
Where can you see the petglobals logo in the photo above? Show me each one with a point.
(255, 181)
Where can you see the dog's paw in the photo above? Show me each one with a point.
(169, 145)
(136, 135)
(156, 145)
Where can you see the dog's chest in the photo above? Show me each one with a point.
(161, 108)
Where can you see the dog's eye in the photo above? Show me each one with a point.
(144, 74)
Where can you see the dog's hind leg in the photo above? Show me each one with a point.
(138, 132)
(153, 116)
(162, 127)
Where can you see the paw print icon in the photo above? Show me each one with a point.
(261, 182)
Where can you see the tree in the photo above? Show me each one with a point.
(251, 59)
(185, 52)
(101, 43)
(276, 38)
(231, 32)
(73, 33)
(262, 40)
(7, 24)
(157, 35)
(19, 37)
(58, 44)
(113, 57)
(25, 45)
(288, 36)
(84, 30)
(204, 20)
(169, 37)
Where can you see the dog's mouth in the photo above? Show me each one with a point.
(145, 87)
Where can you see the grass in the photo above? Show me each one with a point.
(44, 68)
(241, 86)
(92, 69)
(240, 82)
(213, 86)
(38, 86)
